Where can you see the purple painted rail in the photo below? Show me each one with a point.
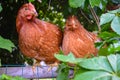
(28, 72)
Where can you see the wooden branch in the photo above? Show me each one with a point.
(85, 16)
(28, 72)
(95, 17)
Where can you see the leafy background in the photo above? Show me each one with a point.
(101, 16)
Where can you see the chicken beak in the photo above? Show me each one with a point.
(33, 10)
(35, 13)
(74, 25)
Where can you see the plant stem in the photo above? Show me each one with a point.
(85, 16)
(95, 17)
(49, 4)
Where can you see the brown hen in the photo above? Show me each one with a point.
(78, 40)
(37, 39)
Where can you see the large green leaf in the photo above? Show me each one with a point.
(100, 68)
(115, 11)
(115, 63)
(105, 18)
(6, 44)
(97, 63)
(68, 58)
(94, 3)
(115, 25)
(105, 78)
(109, 78)
(65, 58)
(118, 65)
(76, 3)
(91, 75)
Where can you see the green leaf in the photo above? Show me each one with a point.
(103, 51)
(109, 78)
(94, 3)
(105, 78)
(115, 11)
(97, 63)
(118, 65)
(105, 27)
(115, 78)
(18, 78)
(116, 46)
(65, 58)
(116, 1)
(115, 63)
(63, 72)
(7, 77)
(111, 49)
(0, 7)
(31, 0)
(76, 3)
(105, 18)
(105, 35)
(6, 44)
(97, 68)
(91, 75)
(68, 58)
(103, 4)
(115, 25)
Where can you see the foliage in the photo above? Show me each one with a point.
(110, 43)
(76, 3)
(63, 72)
(97, 68)
(7, 77)
(93, 3)
(0, 8)
(6, 44)
(106, 65)
(91, 13)
(70, 58)
(114, 18)
(53, 16)
(31, 0)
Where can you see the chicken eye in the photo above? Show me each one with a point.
(26, 8)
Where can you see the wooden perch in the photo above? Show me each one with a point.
(28, 72)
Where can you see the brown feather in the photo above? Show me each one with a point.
(77, 39)
(37, 39)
